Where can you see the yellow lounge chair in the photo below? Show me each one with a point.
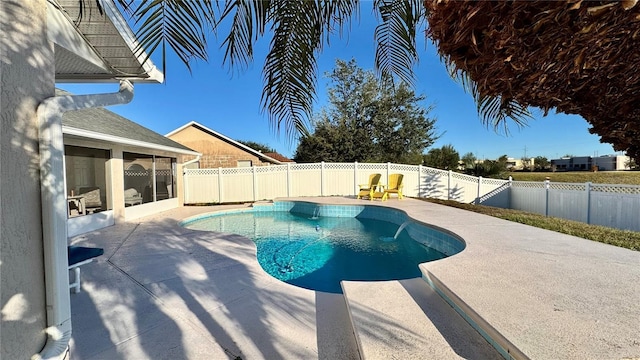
(367, 190)
(394, 186)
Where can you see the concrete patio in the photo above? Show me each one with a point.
(161, 291)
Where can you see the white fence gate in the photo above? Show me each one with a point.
(615, 206)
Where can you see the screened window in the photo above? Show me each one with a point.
(148, 178)
(86, 180)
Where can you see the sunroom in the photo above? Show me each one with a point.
(117, 170)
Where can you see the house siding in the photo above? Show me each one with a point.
(215, 151)
(27, 79)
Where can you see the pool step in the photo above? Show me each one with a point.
(406, 319)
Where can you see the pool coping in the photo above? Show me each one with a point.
(551, 295)
(536, 293)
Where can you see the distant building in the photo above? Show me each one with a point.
(518, 164)
(218, 150)
(584, 163)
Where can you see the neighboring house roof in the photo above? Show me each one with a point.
(99, 46)
(278, 157)
(226, 139)
(102, 124)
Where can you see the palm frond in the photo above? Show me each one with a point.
(290, 70)
(336, 14)
(494, 111)
(396, 37)
(183, 25)
(248, 23)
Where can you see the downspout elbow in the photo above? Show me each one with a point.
(184, 165)
(54, 210)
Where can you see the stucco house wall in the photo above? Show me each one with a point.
(216, 151)
(27, 78)
(34, 297)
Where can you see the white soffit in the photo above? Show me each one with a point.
(69, 42)
(97, 47)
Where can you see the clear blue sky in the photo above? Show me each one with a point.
(229, 103)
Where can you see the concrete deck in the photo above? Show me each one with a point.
(165, 292)
(405, 319)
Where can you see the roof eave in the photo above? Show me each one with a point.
(67, 130)
(64, 33)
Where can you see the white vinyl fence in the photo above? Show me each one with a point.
(609, 205)
(225, 185)
(616, 206)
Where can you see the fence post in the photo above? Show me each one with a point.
(288, 179)
(322, 178)
(388, 172)
(355, 178)
(420, 180)
(588, 191)
(449, 185)
(509, 193)
(154, 187)
(479, 186)
(220, 185)
(547, 185)
(255, 185)
(185, 186)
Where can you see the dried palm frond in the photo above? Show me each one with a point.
(575, 57)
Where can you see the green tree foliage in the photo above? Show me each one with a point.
(468, 160)
(368, 119)
(541, 163)
(632, 164)
(446, 158)
(263, 148)
(496, 169)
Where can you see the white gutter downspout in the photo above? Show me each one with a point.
(54, 210)
(184, 165)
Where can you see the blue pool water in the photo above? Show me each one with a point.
(317, 252)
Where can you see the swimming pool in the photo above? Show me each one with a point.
(317, 246)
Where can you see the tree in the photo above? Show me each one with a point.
(502, 84)
(263, 148)
(468, 160)
(490, 168)
(298, 31)
(446, 158)
(541, 163)
(368, 120)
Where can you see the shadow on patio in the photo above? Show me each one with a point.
(163, 291)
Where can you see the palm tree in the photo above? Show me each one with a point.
(299, 30)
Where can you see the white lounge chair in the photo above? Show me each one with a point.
(132, 197)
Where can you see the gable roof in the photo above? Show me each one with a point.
(278, 157)
(226, 139)
(102, 124)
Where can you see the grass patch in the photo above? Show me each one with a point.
(622, 238)
(600, 177)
